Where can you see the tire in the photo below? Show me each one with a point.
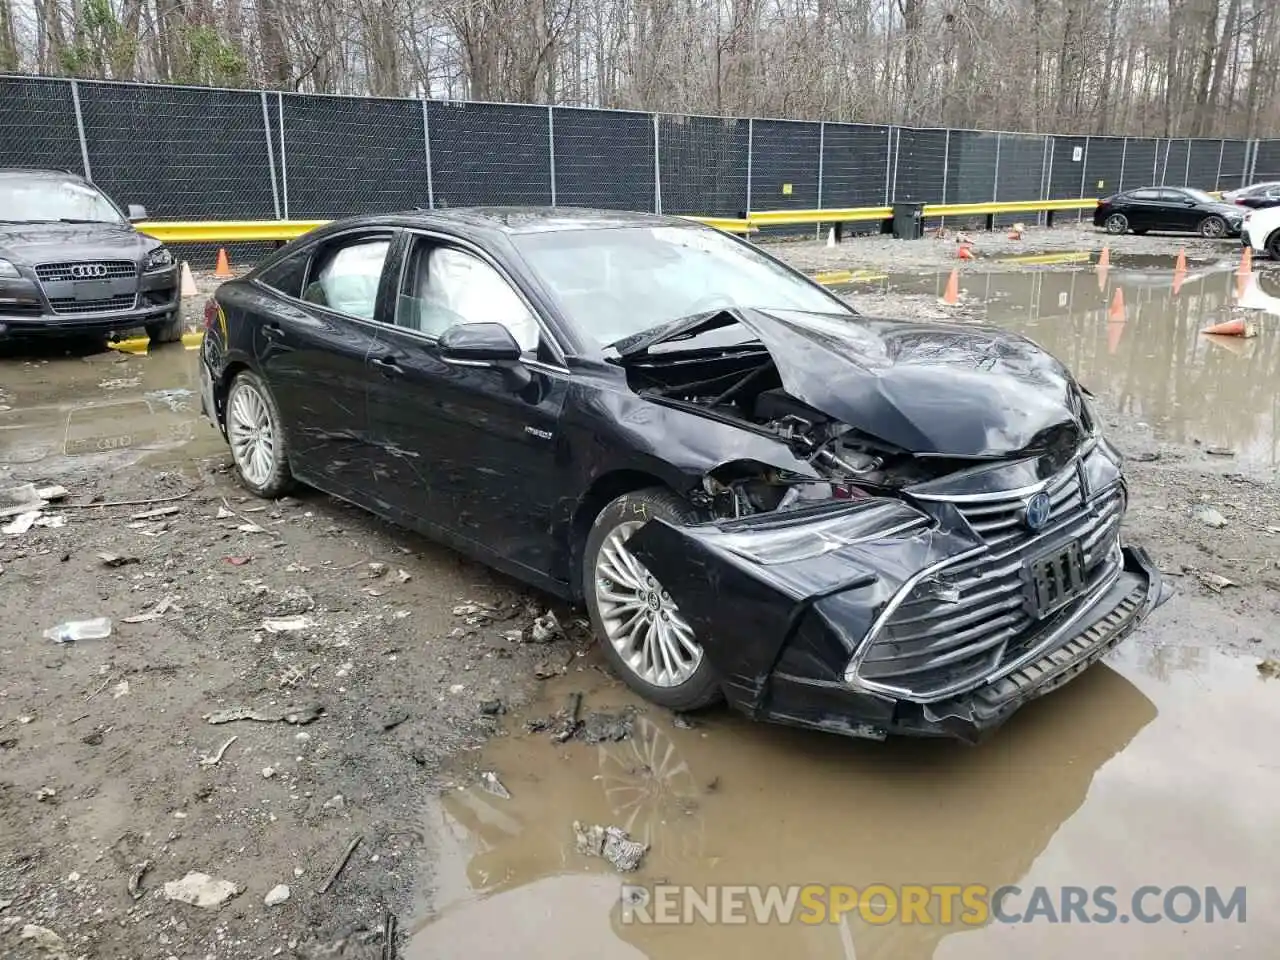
(693, 683)
(1212, 227)
(1273, 245)
(251, 416)
(168, 330)
(1116, 224)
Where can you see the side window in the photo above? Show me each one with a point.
(287, 275)
(445, 286)
(1145, 195)
(1173, 196)
(345, 276)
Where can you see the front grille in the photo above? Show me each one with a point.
(66, 305)
(58, 272)
(929, 645)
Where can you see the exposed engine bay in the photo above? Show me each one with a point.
(743, 387)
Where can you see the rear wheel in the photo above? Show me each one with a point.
(644, 637)
(168, 330)
(1117, 223)
(257, 440)
(1213, 227)
(1273, 245)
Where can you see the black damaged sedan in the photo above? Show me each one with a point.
(864, 526)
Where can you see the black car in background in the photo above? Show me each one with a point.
(1168, 210)
(1256, 196)
(859, 525)
(72, 263)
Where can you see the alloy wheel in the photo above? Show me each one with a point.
(640, 619)
(1117, 223)
(251, 433)
(1212, 228)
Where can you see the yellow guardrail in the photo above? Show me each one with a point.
(267, 231)
(781, 218)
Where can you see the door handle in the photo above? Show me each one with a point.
(387, 365)
(273, 331)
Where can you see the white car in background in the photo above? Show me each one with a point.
(1261, 231)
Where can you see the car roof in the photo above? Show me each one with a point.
(22, 173)
(518, 219)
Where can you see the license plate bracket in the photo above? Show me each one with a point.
(93, 290)
(1055, 578)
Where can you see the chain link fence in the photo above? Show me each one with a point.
(201, 154)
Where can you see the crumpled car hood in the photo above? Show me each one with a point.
(926, 388)
(38, 242)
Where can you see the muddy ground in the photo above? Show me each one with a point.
(376, 661)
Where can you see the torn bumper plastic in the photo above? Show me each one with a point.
(787, 607)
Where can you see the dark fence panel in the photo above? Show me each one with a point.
(1140, 163)
(1067, 177)
(486, 153)
(784, 165)
(1203, 167)
(1021, 173)
(38, 125)
(604, 158)
(179, 151)
(1102, 168)
(1235, 153)
(1173, 165)
(346, 155)
(703, 163)
(971, 167)
(855, 165)
(918, 164)
(1267, 164)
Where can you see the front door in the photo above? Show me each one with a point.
(463, 449)
(1182, 212)
(313, 349)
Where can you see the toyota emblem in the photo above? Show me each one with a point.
(87, 271)
(1037, 511)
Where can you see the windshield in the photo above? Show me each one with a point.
(33, 201)
(1200, 196)
(616, 282)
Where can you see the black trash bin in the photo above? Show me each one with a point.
(908, 221)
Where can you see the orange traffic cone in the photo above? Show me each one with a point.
(223, 269)
(952, 294)
(188, 287)
(1242, 284)
(1115, 333)
(1116, 313)
(1180, 265)
(1232, 328)
(1246, 261)
(1104, 258)
(964, 252)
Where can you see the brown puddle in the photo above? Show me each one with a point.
(1155, 365)
(61, 414)
(1159, 768)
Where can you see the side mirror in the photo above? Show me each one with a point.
(137, 212)
(485, 345)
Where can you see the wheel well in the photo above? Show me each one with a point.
(223, 386)
(605, 489)
(1272, 238)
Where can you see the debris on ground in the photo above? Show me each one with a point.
(544, 629)
(46, 793)
(276, 895)
(46, 941)
(564, 723)
(1214, 581)
(682, 722)
(603, 727)
(492, 708)
(490, 783)
(116, 560)
(155, 514)
(340, 863)
(22, 522)
(223, 514)
(612, 843)
(287, 624)
(213, 761)
(201, 890)
(1211, 517)
(135, 879)
(1220, 451)
(155, 613)
(377, 569)
(404, 576)
(295, 716)
(1270, 669)
(392, 719)
(290, 602)
(99, 628)
(238, 561)
(336, 802)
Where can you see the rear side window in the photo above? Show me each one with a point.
(287, 275)
(345, 276)
(1145, 195)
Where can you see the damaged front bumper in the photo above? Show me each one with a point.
(879, 617)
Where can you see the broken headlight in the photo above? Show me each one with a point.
(808, 538)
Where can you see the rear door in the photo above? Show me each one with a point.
(1142, 207)
(460, 448)
(312, 347)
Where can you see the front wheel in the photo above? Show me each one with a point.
(1273, 245)
(1213, 228)
(256, 435)
(168, 330)
(644, 637)
(1117, 223)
